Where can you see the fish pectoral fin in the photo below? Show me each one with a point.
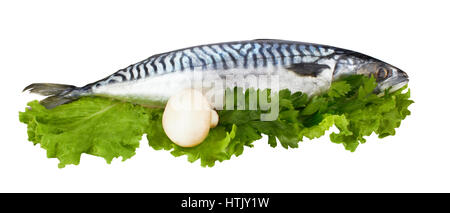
(308, 69)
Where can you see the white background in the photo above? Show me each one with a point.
(79, 42)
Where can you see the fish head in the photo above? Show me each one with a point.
(386, 75)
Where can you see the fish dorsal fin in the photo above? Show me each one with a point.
(308, 69)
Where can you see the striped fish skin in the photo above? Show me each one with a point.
(160, 76)
(222, 56)
(305, 67)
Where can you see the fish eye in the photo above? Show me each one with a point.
(381, 73)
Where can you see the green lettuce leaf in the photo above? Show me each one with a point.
(111, 129)
(94, 126)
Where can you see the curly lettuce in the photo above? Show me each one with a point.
(111, 129)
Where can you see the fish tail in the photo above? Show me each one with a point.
(58, 94)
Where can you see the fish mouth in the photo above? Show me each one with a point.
(399, 85)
